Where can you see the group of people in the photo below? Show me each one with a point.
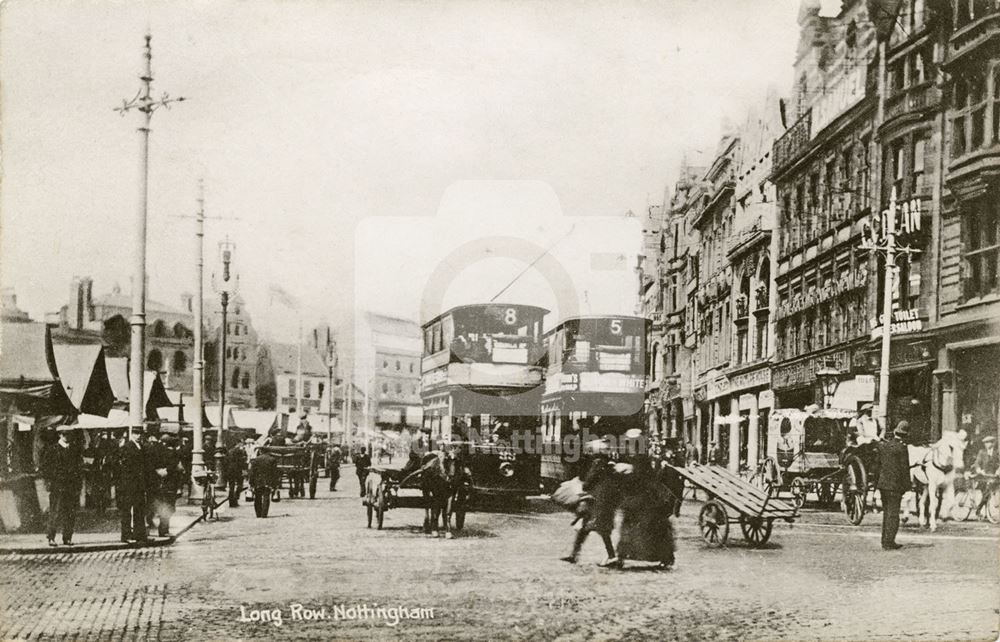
(647, 496)
(146, 470)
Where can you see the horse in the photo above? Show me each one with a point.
(934, 476)
(442, 481)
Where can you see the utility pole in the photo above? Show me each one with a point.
(198, 452)
(331, 362)
(298, 374)
(144, 103)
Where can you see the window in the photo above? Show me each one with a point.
(246, 380)
(385, 364)
(742, 349)
(154, 361)
(399, 388)
(896, 169)
(180, 361)
(398, 366)
(761, 346)
(917, 171)
(385, 388)
(969, 114)
(411, 367)
(235, 381)
(866, 165)
(321, 387)
(291, 388)
(981, 241)
(307, 389)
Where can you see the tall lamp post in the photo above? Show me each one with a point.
(331, 364)
(226, 289)
(144, 103)
(829, 380)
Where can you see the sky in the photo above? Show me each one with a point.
(350, 149)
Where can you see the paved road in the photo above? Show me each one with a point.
(502, 580)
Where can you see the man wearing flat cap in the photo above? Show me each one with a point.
(893, 481)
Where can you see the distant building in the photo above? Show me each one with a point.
(242, 347)
(9, 311)
(169, 337)
(388, 351)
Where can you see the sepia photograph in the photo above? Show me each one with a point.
(374, 320)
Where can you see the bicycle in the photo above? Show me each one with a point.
(970, 499)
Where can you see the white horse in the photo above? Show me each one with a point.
(933, 470)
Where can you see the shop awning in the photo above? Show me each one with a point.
(117, 370)
(85, 377)
(116, 419)
(29, 378)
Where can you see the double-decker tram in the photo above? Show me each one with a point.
(481, 382)
(595, 385)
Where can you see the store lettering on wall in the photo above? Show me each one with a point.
(903, 322)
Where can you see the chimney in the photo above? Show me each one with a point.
(75, 311)
(88, 299)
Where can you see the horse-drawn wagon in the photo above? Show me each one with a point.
(733, 500)
(805, 454)
(436, 485)
(299, 465)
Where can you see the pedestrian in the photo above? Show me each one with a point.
(646, 532)
(155, 473)
(235, 467)
(893, 481)
(362, 462)
(130, 488)
(333, 466)
(186, 454)
(168, 485)
(64, 475)
(596, 510)
(263, 479)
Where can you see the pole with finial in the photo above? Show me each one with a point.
(144, 103)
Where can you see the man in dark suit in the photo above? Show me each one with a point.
(362, 462)
(64, 474)
(893, 481)
(236, 465)
(163, 496)
(263, 479)
(131, 488)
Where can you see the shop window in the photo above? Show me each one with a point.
(981, 244)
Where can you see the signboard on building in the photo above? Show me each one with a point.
(753, 379)
(903, 322)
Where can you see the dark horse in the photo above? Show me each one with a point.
(443, 481)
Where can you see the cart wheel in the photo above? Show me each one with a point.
(855, 487)
(380, 508)
(993, 506)
(714, 524)
(826, 493)
(756, 530)
(798, 492)
(312, 487)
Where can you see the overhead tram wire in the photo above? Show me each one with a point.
(532, 264)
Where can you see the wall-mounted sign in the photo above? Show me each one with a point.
(903, 219)
(903, 322)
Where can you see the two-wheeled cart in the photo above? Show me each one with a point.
(733, 500)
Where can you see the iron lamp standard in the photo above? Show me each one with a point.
(829, 379)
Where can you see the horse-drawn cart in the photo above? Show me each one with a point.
(388, 488)
(299, 465)
(734, 501)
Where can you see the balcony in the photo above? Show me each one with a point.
(792, 143)
(912, 100)
(762, 300)
(742, 309)
(973, 32)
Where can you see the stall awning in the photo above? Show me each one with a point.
(85, 377)
(29, 378)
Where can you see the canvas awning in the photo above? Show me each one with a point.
(85, 377)
(29, 378)
(117, 369)
(116, 419)
(260, 421)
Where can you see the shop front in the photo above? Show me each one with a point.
(966, 385)
(752, 400)
(795, 385)
(911, 368)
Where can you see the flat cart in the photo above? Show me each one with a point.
(734, 501)
(386, 491)
(297, 464)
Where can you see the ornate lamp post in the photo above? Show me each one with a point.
(829, 379)
(226, 289)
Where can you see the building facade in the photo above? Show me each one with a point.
(241, 353)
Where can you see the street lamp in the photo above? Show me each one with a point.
(829, 378)
(331, 364)
(227, 289)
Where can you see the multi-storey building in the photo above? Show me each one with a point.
(241, 354)
(967, 322)
(387, 362)
(751, 252)
(710, 214)
(822, 172)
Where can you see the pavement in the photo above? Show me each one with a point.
(107, 539)
(313, 570)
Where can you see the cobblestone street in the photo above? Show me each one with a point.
(502, 579)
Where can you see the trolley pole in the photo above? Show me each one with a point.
(142, 102)
(198, 447)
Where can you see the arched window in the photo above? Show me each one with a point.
(398, 366)
(246, 380)
(180, 332)
(154, 361)
(180, 361)
(159, 328)
(117, 332)
(236, 378)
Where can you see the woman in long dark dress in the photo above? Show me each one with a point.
(647, 533)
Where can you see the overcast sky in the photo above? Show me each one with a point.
(317, 123)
